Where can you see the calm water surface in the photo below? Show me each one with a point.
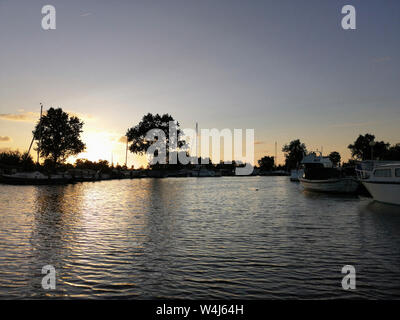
(195, 238)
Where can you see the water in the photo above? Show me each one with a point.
(207, 238)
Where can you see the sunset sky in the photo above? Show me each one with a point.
(284, 68)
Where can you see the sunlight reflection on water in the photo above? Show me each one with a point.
(195, 238)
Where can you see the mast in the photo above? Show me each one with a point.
(40, 133)
(33, 138)
(197, 140)
(276, 154)
(126, 153)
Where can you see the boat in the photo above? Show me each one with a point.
(320, 175)
(295, 174)
(34, 178)
(382, 182)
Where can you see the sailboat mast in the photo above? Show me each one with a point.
(126, 153)
(197, 141)
(40, 134)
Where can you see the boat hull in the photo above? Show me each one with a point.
(342, 185)
(32, 181)
(295, 174)
(385, 192)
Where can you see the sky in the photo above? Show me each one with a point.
(286, 69)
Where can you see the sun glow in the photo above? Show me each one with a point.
(100, 146)
(105, 145)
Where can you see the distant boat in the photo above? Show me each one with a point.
(34, 178)
(202, 171)
(295, 174)
(383, 182)
(321, 176)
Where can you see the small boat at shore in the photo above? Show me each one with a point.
(382, 182)
(321, 176)
(295, 174)
(34, 178)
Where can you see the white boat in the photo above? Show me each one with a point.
(383, 182)
(36, 175)
(320, 175)
(341, 185)
(34, 178)
(295, 174)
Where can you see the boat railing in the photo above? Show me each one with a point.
(364, 168)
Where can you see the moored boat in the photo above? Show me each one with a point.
(295, 174)
(320, 175)
(33, 178)
(383, 182)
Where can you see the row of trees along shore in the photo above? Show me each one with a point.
(58, 136)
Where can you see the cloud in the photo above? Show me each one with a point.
(122, 139)
(86, 14)
(28, 116)
(5, 139)
(259, 142)
(22, 116)
(82, 116)
(381, 59)
(353, 124)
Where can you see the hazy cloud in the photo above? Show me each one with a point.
(381, 59)
(82, 116)
(5, 139)
(28, 116)
(122, 139)
(353, 124)
(22, 116)
(259, 142)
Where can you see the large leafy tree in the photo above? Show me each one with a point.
(17, 159)
(266, 163)
(335, 157)
(59, 135)
(137, 134)
(393, 154)
(294, 153)
(365, 147)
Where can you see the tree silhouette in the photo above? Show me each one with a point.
(266, 163)
(59, 135)
(294, 153)
(393, 153)
(365, 147)
(137, 134)
(335, 157)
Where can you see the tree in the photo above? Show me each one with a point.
(335, 157)
(393, 154)
(27, 162)
(59, 135)
(294, 153)
(137, 134)
(266, 163)
(366, 148)
(85, 164)
(17, 159)
(10, 158)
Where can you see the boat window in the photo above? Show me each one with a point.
(397, 172)
(383, 173)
